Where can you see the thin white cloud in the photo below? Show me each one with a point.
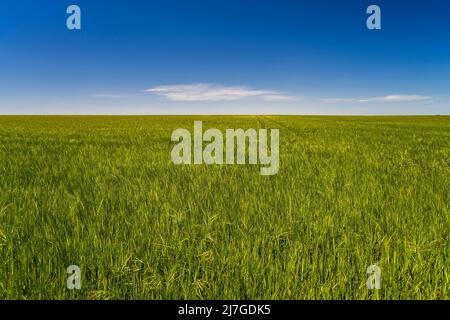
(212, 92)
(109, 96)
(397, 98)
(389, 98)
(339, 100)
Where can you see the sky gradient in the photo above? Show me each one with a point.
(224, 57)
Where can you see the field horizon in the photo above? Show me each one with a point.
(226, 115)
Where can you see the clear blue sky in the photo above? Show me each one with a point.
(181, 57)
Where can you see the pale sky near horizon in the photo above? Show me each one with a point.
(224, 57)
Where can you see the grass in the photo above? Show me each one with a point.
(102, 193)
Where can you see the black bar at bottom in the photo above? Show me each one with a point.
(224, 309)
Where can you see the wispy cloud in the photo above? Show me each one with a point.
(339, 100)
(109, 96)
(389, 98)
(397, 98)
(213, 92)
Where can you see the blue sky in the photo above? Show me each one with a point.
(224, 57)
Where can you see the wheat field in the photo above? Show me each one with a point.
(101, 192)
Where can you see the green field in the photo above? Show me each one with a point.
(102, 193)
